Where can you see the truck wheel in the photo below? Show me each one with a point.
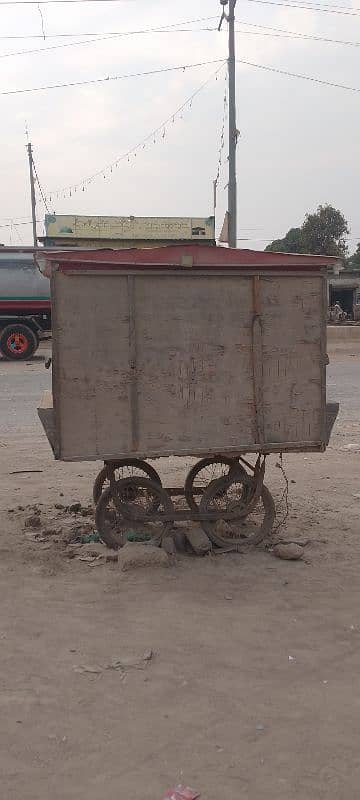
(18, 342)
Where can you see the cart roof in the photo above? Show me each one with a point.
(182, 256)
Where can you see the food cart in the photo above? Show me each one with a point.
(188, 351)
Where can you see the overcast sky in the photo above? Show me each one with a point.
(299, 144)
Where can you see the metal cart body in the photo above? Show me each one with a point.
(187, 350)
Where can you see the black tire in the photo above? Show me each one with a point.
(102, 481)
(18, 342)
(218, 488)
(115, 517)
(207, 464)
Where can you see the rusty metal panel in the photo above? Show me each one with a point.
(293, 358)
(194, 363)
(185, 363)
(91, 384)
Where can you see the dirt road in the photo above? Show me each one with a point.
(252, 691)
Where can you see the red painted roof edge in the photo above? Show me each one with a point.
(201, 256)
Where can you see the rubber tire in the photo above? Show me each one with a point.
(267, 524)
(26, 331)
(148, 471)
(106, 536)
(205, 462)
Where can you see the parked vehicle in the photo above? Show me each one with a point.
(25, 308)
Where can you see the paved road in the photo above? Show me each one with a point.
(21, 388)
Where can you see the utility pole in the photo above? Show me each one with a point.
(32, 193)
(233, 132)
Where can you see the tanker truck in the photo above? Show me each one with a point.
(25, 308)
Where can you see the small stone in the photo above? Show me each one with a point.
(33, 522)
(87, 512)
(288, 552)
(75, 508)
(134, 556)
(59, 506)
(260, 727)
(112, 557)
(199, 541)
(11, 510)
(168, 545)
(228, 597)
(94, 549)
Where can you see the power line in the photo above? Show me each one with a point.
(299, 35)
(98, 39)
(222, 142)
(298, 75)
(14, 226)
(308, 7)
(161, 129)
(158, 29)
(280, 33)
(40, 188)
(49, 2)
(10, 224)
(182, 67)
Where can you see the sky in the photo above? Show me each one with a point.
(298, 143)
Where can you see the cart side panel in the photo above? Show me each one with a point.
(194, 362)
(293, 358)
(91, 376)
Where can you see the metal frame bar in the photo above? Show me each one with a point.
(205, 272)
(134, 400)
(55, 366)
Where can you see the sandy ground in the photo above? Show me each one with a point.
(253, 688)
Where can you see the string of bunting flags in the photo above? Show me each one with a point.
(158, 134)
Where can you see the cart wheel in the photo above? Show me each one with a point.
(253, 517)
(203, 473)
(125, 468)
(134, 512)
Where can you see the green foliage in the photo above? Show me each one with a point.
(291, 243)
(353, 262)
(322, 233)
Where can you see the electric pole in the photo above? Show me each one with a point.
(32, 193)
(233, 132)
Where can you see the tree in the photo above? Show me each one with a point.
(354, 261)
(291, 243)
(322, 233)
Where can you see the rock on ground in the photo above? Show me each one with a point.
(289, 552)
(33, 522)
(133, 556)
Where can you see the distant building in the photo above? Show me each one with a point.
(121, 232)
(344, 288)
